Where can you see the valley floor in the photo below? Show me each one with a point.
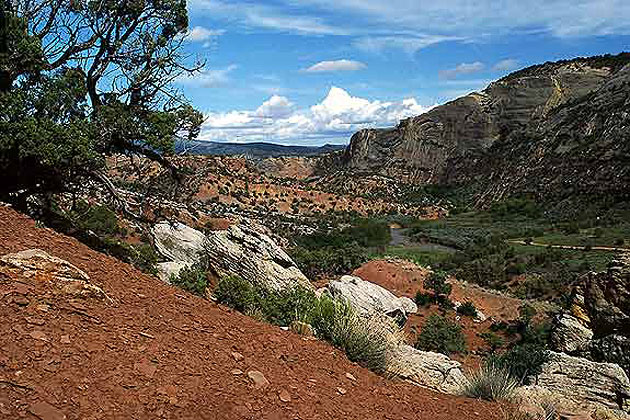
(157, 352)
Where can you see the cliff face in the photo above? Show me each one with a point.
(565, 124)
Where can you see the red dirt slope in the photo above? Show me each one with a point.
(159, 353)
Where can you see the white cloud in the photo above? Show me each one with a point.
(508, 64)
(334, 66)
(334, 119)
(253, 15)
(276, 107)
(199, 34)
(210, 78)
(464, 68)
(475, 19)
(409, 44)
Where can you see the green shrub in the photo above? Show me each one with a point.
(467, 309)
(490, 382)
(440, 335)
(193, 279)
(96, 218)
(328, 261)
(494, 341)
(423, 299)
(236, 293)
(436, 282)
(522, 361)
(296, 304)
(364, 341)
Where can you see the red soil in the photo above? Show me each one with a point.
(160, 353)
(405, 279)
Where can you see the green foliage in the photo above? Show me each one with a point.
(441, 335)
(436, 282)
(66, 105)
(491, 382)
(318, 262)
(95, 218)
(363, 341)
(516, 207)
(193, 279)
(494, 341)
(467, 309)
(236, 293)
(522, 361)
(424, 299)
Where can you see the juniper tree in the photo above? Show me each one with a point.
(81, 80)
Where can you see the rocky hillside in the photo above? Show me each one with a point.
(557, 130)
(83, 335)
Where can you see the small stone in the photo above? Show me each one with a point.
(39, 335)
(21, 300)
(65, 339)
(260, 382)
(45, 411)
(350, 376)
(237, 372)
(238, 356)
(145, 368)
(284, 396)
(341, 390)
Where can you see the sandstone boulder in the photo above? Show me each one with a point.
(430, 370)
(243, 251)
(583, 383)
(38, 265)
(178, 242)
(570, 335)
(370, 299)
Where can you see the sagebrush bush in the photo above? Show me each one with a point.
(441, 335)
(490, 382)
(365, 341)
(193, 279)
(236, 293)
(522, 361)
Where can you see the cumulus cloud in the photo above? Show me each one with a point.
(210, 78)
(464, 68)
(506, 65)
(334, 119)
(335, 66)
(276, 107)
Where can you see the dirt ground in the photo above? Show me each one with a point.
(404, 278)
(159, 353)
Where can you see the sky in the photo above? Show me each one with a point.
(312, 72)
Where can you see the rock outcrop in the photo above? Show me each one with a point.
(370, 299)
(584, 383)
(598, 324)
(570, 335)
(430, 370)
(558, 129)
(243, 251)
(240, 250)
(178, 242)
(38, 265)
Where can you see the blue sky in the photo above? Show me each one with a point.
(316, 71)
